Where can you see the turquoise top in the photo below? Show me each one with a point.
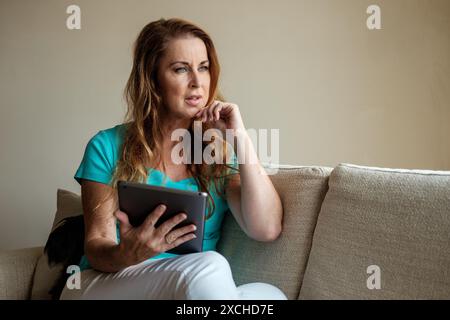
(98, 164)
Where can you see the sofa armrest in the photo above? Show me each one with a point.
(16, 272)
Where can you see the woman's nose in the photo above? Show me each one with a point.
(195, 79)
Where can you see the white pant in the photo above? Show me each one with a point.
(198, 276)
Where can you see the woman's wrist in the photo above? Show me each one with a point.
(105, 256)
(124, 257)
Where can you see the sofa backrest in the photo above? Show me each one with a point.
(283, 261)
(396, 220)
(381, 234)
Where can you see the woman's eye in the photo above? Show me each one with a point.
(183, 68)
(176, 70)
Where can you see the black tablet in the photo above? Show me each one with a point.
(138, 200)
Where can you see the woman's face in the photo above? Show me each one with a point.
(183, 72)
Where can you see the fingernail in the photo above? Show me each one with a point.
(162, 207)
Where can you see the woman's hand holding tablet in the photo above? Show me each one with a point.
(159, 219)
(145, 241)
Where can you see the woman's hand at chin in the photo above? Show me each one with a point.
(221, 115)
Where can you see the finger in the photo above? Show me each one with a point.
(205, 113)
(199, 114)
(182, 231)
(153, 217)
(211, 110)
(227, 108)
(124, 225)
(216, 111)
(181, 240)
(169, 224)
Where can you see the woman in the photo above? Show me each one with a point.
(173, 83)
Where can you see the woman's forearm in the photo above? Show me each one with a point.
(260, 204)
(106, 256)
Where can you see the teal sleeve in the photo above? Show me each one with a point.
(97, 164)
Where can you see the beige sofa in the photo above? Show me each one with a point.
(348, 233)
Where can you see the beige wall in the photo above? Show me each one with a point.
(337, 91)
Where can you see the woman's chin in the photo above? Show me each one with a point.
(190, 115)
(192, 111)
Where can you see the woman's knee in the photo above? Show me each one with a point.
(215, 259)
(210, 278)
(208, 265)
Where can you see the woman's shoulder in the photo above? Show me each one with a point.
(113, 135)
(115, 131)
(106, 143)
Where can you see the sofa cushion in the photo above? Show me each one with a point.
(68, 204)
(283, 261)
(16, 272)
(381, 227)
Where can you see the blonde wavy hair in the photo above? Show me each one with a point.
(143, 134)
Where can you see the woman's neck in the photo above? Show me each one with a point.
(168, 125)
(170, 122)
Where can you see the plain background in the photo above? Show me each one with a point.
(337, 91)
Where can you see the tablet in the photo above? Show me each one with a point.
(138, 200)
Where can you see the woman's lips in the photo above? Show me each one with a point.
(192, 101)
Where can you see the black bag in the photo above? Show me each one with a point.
(65, 245)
